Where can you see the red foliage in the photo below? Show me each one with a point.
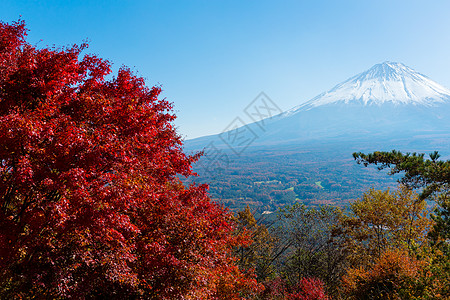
(275, 289)
(309, 289)
(305, 289)
(90, 201)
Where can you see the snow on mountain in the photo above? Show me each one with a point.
(388, 82)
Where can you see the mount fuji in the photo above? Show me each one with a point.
(305, 154)
(390, 105)
(388, 82)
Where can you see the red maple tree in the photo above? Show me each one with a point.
(90, 201)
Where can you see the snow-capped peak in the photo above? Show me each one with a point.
(388, 82)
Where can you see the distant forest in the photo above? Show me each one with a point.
(267, 180)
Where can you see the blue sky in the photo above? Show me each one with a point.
(214, 57)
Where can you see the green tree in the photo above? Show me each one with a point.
(432, 177)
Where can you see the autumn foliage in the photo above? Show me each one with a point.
(394, 275)
(304, 289)
(90, 201)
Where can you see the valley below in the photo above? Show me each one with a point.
(315, 174)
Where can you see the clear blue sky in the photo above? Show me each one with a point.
(213, 57)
